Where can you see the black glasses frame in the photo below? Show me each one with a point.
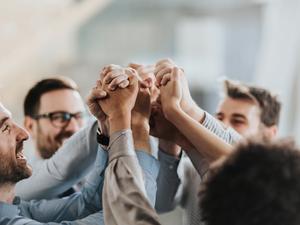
(65, 116)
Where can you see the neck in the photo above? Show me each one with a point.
(7, 193)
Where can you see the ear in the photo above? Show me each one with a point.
(271, 132)
(30, 125)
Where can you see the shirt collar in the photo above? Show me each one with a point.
(10, 210)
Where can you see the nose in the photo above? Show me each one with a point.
(73, 126)
(226, 123)
(22, 134)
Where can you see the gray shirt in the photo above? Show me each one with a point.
(179, 180)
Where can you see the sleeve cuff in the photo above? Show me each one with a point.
(170, 161)
(121, 144)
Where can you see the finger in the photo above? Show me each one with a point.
(97, 93)
(166, 78)
(176, 73)
(132, 72)
(165, 61)
(162, 67)
(98, 83)
(135, 66)
(148, 82)
(146, 71)
(118, 80)
(162, 73)
(113, 75)
(124, 84)
(108, 68)
(133, 80)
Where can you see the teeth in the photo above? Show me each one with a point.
(20, 155)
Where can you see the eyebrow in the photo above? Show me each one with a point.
(2, 121)
(239, 116)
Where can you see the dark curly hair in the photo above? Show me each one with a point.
(259, 184)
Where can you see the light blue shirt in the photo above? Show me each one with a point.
(84, 207)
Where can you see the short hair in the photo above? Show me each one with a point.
(33, 97)
(268, 103)
(257, 185)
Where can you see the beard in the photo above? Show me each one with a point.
(12, 171)
(47, 145)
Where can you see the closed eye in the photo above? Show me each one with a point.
(6, 127)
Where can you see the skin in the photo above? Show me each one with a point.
(244, 117)
(204, 141)
(48, 138)
(13, 164)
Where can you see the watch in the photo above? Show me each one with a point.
(101, 138)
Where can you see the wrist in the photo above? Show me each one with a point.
(194, 111)
(141, 138)
(171, 111)
(119, 121)
(140, 124)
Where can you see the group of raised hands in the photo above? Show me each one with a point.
(155, 99)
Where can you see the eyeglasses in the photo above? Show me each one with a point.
(60, 119)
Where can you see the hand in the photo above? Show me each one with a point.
(162, 72)
(94, 96)
(146, 73)
(115, 76)
(171, 92)
(161, 128)
(120, 101)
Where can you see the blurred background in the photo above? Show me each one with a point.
(255, 41)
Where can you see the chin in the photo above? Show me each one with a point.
(23, 171)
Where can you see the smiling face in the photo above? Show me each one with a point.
(240, 114)
(13, 164)
(47, 137)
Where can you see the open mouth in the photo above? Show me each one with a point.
(19, 152)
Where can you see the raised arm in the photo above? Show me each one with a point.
(124, 197)
(62, 171)
(207, 144)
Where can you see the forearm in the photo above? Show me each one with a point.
(195, 111)
(78, 205)
(62, 171)
(124, 189)
(140, 131)
(208, 144)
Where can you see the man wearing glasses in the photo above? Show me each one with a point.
(53, 111)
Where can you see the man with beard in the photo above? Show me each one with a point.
(53, 111)
(84, 207)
